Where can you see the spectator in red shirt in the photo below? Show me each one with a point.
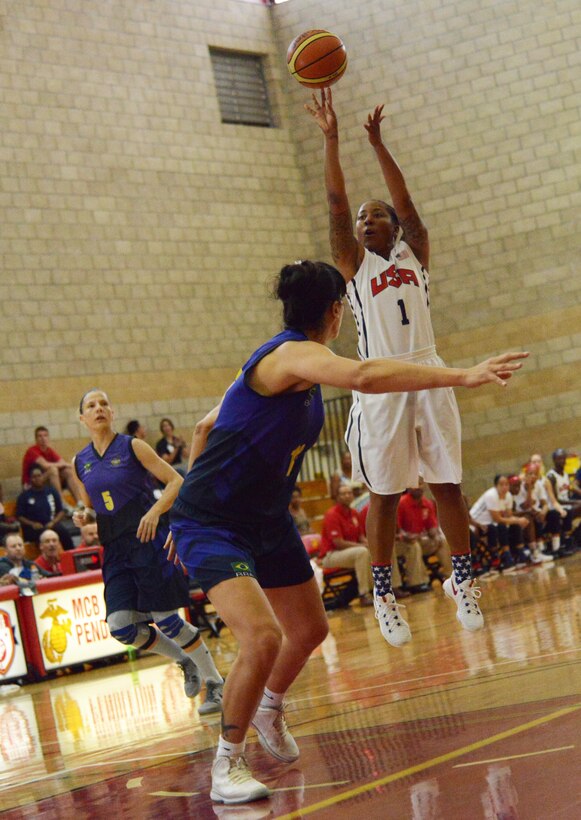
(343, 543)
(417, 521)
(50, 553)
(56, 470)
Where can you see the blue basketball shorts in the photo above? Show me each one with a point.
(139, 577)
(275, 556)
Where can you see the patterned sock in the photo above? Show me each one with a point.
(382, 578)
(461, 566)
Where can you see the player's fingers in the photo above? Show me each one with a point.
(508, 366)
(329, 97)
(512, 356)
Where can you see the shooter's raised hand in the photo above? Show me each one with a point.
(373, 125)
(323, 113)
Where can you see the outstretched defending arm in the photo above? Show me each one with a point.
(346, 251)
(314, 363)
(414, 230)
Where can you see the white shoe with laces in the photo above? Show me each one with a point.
(273, 733)
(232, 781)
(391, 624)
(465, 597)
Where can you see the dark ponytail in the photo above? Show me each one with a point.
(306, 290)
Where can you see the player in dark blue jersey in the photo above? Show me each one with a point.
(140, 586)
(231, 525)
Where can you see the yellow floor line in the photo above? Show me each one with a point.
(427, 764)
(512, 757)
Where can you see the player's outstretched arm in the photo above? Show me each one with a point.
(315, 363)
(415, 232)
(346, 251)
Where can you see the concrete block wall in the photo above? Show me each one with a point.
(482, 104)
(139, 233)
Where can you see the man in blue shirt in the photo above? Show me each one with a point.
(40, 508)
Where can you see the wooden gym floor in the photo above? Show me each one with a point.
(452, 726)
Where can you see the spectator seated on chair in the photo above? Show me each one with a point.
(493, 513)
(50, 553)
(55, 470)
(568, 508)
(298, 513)
(40, 508)
(531, 502)
(343, 543)
(338, 585)
(16, 569)
(417, 521)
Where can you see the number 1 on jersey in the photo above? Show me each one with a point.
(404, 318)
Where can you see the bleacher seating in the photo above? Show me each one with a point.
(337, 582)
(316, 501)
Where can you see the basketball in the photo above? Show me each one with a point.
(316, 58)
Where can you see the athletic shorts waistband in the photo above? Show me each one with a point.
(414, 355)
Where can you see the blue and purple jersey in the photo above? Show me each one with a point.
(118, 485)
(247, 472)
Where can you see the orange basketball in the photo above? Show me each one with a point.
(316, 58)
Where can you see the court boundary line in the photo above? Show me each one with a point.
(513, 757)
(427, 764)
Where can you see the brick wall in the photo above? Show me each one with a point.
(139, 234)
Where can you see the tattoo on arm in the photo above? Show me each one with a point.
(343, 243)
(414, 231)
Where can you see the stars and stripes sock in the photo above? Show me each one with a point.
(382, 578)
(461, 565)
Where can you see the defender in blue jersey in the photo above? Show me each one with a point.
(140, 585)
(230, 523)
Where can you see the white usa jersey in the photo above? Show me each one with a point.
(391, 304)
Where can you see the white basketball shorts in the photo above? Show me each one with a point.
(395, 437)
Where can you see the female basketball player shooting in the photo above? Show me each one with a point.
(231, 523)
(394, 438)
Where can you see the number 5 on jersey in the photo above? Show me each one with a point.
(107, 500)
